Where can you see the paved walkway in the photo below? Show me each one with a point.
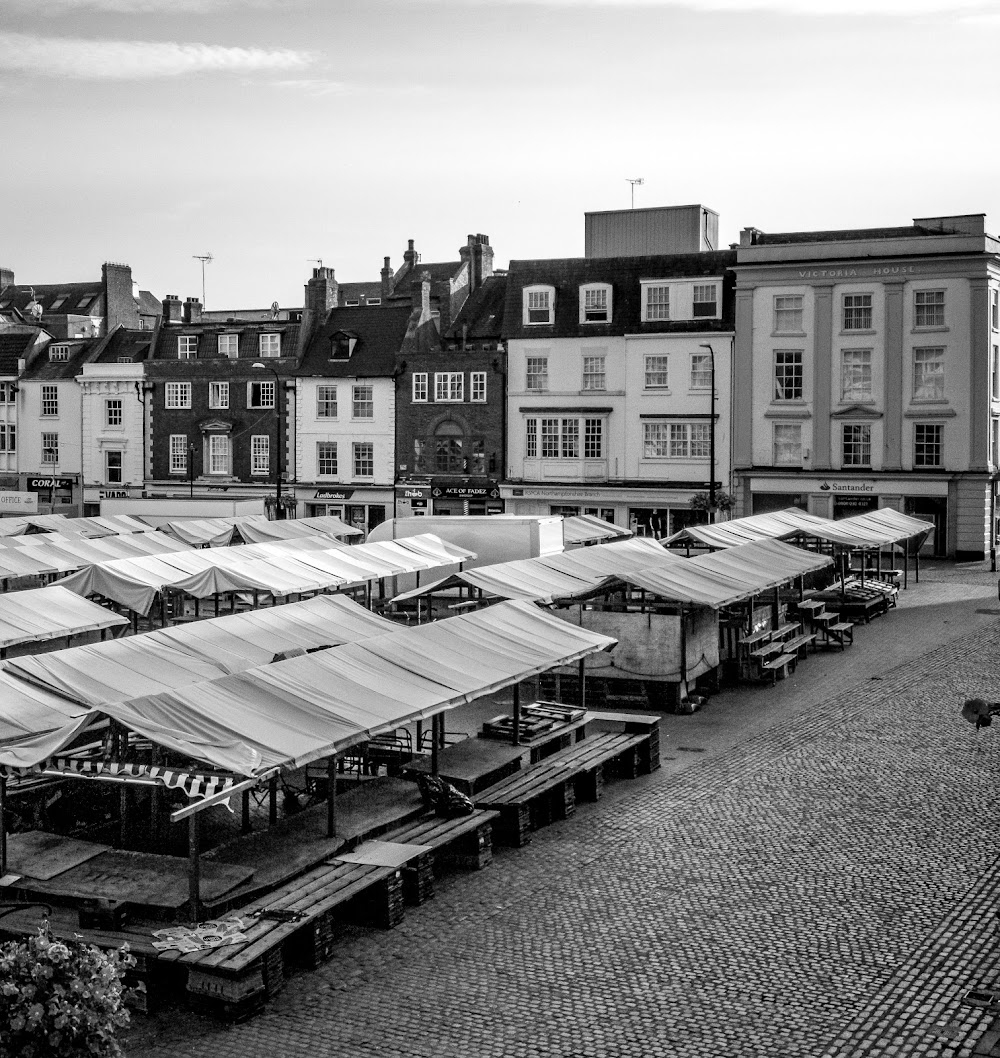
(814, 872)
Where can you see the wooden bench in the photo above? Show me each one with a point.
(465, 842)
(799, 645)
(838, 632)
(546, 791)
(601, 755)
(779, 665)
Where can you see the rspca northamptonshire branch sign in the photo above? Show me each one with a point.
(18, 503)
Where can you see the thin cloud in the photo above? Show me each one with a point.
(134, 7)
(122, 60)
(971, 9)
(315, 86)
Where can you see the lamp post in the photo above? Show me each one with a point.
(191, 470)
(711, 437)
(278, 414)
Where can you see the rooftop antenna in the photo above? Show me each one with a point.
(205, 259)
(633, 180)
(315, 260)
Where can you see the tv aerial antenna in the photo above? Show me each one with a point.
(205, 258)
(633, 180)
(315, 260)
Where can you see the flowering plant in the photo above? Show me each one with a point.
(61, 999)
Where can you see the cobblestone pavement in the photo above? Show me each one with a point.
(821, 883)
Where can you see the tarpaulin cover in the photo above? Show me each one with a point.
(109, 525)
(295, 711)
(16, 526)
(216, 532)
(790, 522)
(726, 577)
(205, 650)
(273, 568)
(581, 529)
(256, 531)
(49, 613)
(895, 526)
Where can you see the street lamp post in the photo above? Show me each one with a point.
(711, 437)
(191, 470)
(279, 415)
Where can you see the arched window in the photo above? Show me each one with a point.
(449, 454)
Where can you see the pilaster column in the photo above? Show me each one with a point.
(894, 361)
(822, 374)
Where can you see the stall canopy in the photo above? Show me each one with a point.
(777, 525)
(272, 568)
(205, 650)
(581, 529)
(199, 532)
(50, 613)
(256, 531)
(110, 525)
(292, 712)
(29, 715)
(731, 576)
(895, 527)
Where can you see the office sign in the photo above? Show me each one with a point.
(18, 502)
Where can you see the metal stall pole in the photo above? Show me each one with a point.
(516, 734)
(272, 800)
(331, 797)
(906, 563)
(194, 866)
(583, 684)
(3, 826)
(435, 747)
(245, 825)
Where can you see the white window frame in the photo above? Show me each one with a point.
(656, 371)
(419, 389)
(50, 401)
(219, 454)
(861, 442)
(360, 402)
(449, 387)
(50, 444)
(218, 395)
(698, 297)
(177, 395)
(8, 393)
(58, 353)
(786, 444)
(109, 477)
(857, 312)
(8, 437)
(269, 346)
(260, 454)
(788, 314)
(536, 370)
(330, 447)
(568, 438)
(326, 402)
(477, 387)
(779, 397)
(595, 378)
(531, 438)
(856, 376)
(113, 411)
(178, 453)
(926, 375)
(929, 308)
(938, 429)
(656, 297)
(356, 458)
(537, 300)
(261, 388)
(187, 346)
(701, 371)
(596, 303)
(229, 345)
(671, 440)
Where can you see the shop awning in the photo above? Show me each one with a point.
(291, 712)
(776, 525)
(257, 531)
(583, 529)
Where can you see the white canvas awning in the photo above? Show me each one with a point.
(581, 529)
(777, 525)
(50, 613)
(257, 531)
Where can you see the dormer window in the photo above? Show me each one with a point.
(57, 304)
(85, 301)
(374, 301)
(539, 305)
(705, 302)
(58, 352)
(270, 345)
(187, 346)
(342, 345)
(595, 303)
(353, 303)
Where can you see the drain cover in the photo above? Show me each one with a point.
(980, 999)
(691, 749)
(991, 613)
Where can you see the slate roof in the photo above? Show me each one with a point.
(440, 272)
(41, 369)
(568, 274)
(380, 335)
(13, 346)
(482, 313)
(356, 291)
(249, 331)
(79, 298)
(149, 305)
(123, 341)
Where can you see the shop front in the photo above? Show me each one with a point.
(654, 512)
(839, 496)
(362, 508)
(93, 494)
(56, 495)
(469, 496)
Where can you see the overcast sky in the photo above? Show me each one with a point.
(269, 132)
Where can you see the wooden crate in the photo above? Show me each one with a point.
(313, 945)
(382, 905)
(590, 784)
(225, 996)
(514, 826)
(418, 879)
(472, 852)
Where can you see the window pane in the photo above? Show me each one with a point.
(420, 386)
(701, 370)
(787, 375)
(364, 402)
(788, 313)
(593, 372)
(655, 440)
(928, 308)
(856, 374)
(537, 373)
(326, 457)
(326, 402)
(857, 446)
(857, 312)
(656, 372)
(678, 440)
(704, 301)
(550, 438)
(531, 439)
(657, 303)
(570, 438)
(928, 373)
(113, 412)
(593, 439)
(927, 445)
(364, 460)
(260, 454)
(788, 445)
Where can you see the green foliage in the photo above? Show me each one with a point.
(723, 501)
(61, 999)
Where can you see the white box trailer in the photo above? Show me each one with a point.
(496, 538)
(158, 512)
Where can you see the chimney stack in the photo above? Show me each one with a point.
(479, 254)
(7, 277)
(120, 304)
(422, 296)
(386, 275)
(192, 310)
(172, 309)
(748, 236)
(320, 299)
(411, 256)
